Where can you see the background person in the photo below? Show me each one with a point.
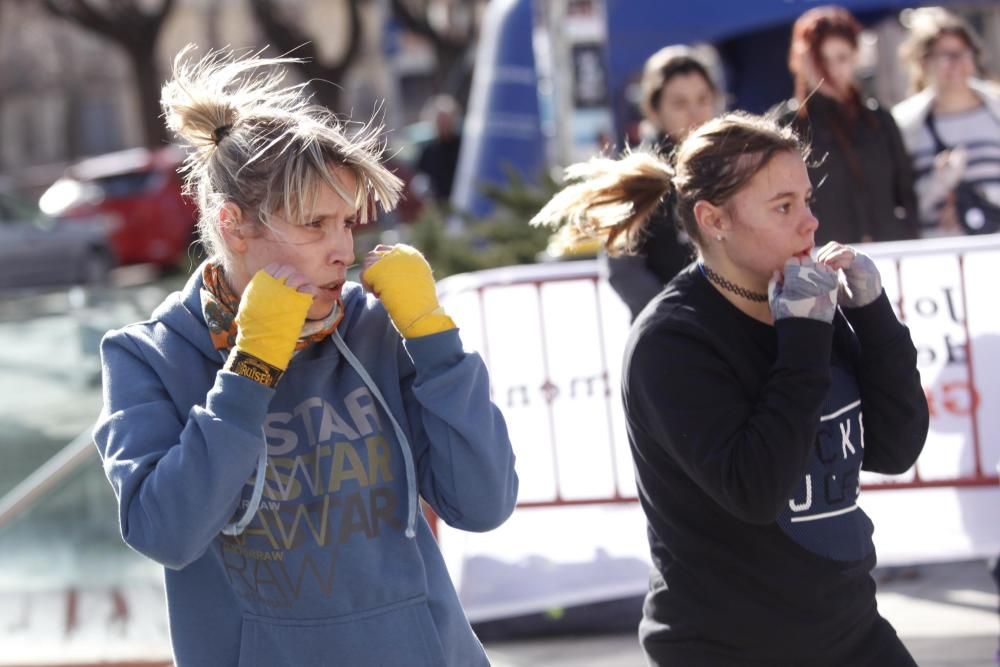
(268, 430)
(756, 387)
(945, 58)
(439, 157)
(678, 94)
(864, 183)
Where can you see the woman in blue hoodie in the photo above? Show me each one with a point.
(269, 430)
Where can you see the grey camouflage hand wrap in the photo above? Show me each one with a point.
(805, 291)
(862, 283)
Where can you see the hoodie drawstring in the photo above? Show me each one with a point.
(404, 443)
(239, 526)
(411, 476)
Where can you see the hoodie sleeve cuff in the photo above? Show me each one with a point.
(239, 401)
(435, 351)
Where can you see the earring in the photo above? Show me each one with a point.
(718, 237)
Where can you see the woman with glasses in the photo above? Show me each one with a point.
(951, 125)
(864, 184)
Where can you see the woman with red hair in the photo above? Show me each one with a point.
(861, 168)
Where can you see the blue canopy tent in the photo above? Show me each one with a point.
(502, 127)
(636, 28)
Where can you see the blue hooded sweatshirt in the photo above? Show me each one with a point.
(321, 570)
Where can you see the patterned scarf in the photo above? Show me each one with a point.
(219, 304)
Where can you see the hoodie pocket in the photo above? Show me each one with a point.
(398, 634)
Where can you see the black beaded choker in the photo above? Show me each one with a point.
(735, 289)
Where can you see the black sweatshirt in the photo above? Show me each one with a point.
(748, 440)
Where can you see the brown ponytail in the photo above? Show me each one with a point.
(609, 199)
(613, 199)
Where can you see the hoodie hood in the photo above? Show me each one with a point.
(181, 313)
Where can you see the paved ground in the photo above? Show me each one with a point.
(946, 615)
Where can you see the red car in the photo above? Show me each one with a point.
(139, 191)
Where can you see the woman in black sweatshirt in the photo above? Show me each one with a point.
(757, 386)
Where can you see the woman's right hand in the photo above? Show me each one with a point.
(949, 167)
(938, 201)
(803, 289)
(272, 310)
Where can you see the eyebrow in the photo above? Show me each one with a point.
(782, 195)
(322, 215)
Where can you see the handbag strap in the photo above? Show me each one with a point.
(932, 128)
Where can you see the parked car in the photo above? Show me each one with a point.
(139, 190)
(39, 251)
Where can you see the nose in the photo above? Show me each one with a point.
(811, 223)
(341, 250)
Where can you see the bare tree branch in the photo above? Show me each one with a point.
(450, 49)
(77, 11)
(417, 22)
(286, 36)
(135, 31)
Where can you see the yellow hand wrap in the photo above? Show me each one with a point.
(270, 319)
(403, 280)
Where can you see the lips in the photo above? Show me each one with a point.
(333, 289)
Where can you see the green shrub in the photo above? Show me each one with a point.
(503, 239)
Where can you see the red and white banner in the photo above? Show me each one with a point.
(552, 336)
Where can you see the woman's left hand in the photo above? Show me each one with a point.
(401, 277)
(860, 281)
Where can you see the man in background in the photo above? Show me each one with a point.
(439, 157)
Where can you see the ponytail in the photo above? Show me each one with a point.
(608, 199)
